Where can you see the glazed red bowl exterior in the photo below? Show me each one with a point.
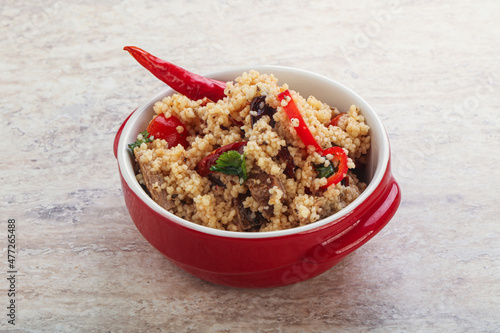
(267, 259)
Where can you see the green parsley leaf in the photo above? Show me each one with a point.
(145, 139)
(231, 163)
(324, 171)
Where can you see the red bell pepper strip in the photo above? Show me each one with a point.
(308, 139)
(342, 168)
(203, 167)
(336, 119)
(166, 129)
(302, 130)
(191, 85)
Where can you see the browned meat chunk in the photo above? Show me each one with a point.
(285, 156)
(245, 219)
(153, 181)
(215, 180)
(259, 185)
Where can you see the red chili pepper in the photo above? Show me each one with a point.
(166, 129)
(342, 168)
(302, 130)
(203, 167)
(336, 119)
(191, 85)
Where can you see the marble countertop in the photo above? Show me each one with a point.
(430, 69)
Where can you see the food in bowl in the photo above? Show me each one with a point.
(298, 253)
(262, 158)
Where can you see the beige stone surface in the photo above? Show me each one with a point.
(431, 69)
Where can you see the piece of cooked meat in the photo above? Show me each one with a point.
(245, 219)
(153, 181)
(259, 185)
(215, 180)
(284, 155)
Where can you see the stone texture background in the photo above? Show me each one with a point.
(429, 68)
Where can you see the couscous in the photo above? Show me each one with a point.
(262, 158)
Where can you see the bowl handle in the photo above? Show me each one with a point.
(367, 225)
(118, 134)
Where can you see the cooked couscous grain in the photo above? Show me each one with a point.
(281, 188)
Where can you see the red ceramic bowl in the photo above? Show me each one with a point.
(276, 258)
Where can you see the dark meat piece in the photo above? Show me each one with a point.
(215, 180)
(153, 181)
(361, 172)
(245, 219)
(259, 105)
(285, 156)
(259, 185)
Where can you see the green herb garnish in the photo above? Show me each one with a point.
(324, 171)
(231, 163)
(145, 139)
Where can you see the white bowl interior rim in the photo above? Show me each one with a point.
(377, 132)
